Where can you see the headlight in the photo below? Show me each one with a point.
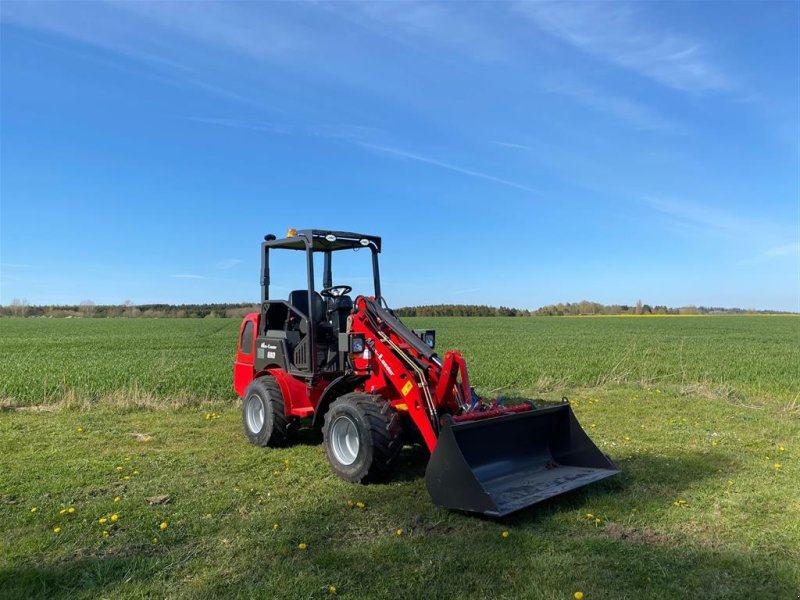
(430, 338)
(356, 344)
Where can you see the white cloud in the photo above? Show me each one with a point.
(639, 116)
(511, 145)
(774, 253)
(228, 263)
(697, 215)
(614, 32)
(437, 25)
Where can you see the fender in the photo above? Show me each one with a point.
(295, 394)
(341, 385)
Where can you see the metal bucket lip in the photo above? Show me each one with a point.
(511, 416)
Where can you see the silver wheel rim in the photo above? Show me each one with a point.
(255, 414)
(344, 440)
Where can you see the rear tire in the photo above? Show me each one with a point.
(263, 413)
(363, 436)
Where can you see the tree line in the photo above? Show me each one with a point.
(87, 308)
(582, 308)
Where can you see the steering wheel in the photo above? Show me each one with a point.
(336, 290)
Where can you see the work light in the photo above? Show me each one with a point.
(356, 344)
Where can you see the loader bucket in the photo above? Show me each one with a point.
(498, 465)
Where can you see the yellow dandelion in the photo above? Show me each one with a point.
(71, 509)
(578, 595)
(399, 532)
(627, 438)
(730, 481)
(714, 443)
(136, 472)
(56, 529)
(63, 511)
(155, 540)
(777, 465)
(117, 498)
(275, 525)
(589, 516)
(350, 503)
(302, 546)
(597, 521)
(105, 533)
(331, 589)
(505, 534)
(79, 430)
(114, 518)
(127, 477)
(360, 504)
(781, 449)
(102, 520)
(593, 425)
(120, 468)
(163, 525)
(34, 509)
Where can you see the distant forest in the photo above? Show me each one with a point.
(20, 308)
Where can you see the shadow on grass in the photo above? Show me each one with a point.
(86, 577)
(442, 554)
(445, 555)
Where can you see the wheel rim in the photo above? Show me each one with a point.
(344, 440)
(255, 414)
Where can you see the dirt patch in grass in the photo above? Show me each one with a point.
(632, 534)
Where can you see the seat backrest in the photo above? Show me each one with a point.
(299, 299)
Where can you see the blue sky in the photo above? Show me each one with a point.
(508, 153)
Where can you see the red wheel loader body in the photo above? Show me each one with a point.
(485, 457)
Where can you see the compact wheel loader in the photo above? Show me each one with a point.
(372, 384)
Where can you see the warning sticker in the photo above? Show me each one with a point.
(407, 388)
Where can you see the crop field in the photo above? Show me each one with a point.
(124, 471)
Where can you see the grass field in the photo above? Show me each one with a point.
(702, 414)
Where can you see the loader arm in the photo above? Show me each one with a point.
(485, 457)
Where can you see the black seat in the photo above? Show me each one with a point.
(299, 299)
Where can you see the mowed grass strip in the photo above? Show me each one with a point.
(702, 509)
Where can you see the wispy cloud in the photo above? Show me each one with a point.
(774, 253)
(703, 220)
(227, 263)
(615, 32)
(119, 28)
(699, 217)
(361, 137)
(511, 145)
(448, 166)
(426, 26)
(627, 110)
(185, 276)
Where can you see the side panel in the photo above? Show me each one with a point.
(243, 370)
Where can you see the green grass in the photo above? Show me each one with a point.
(693, 409)
(48, 360)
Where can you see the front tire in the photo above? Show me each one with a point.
(362, 435)
(263, 413)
